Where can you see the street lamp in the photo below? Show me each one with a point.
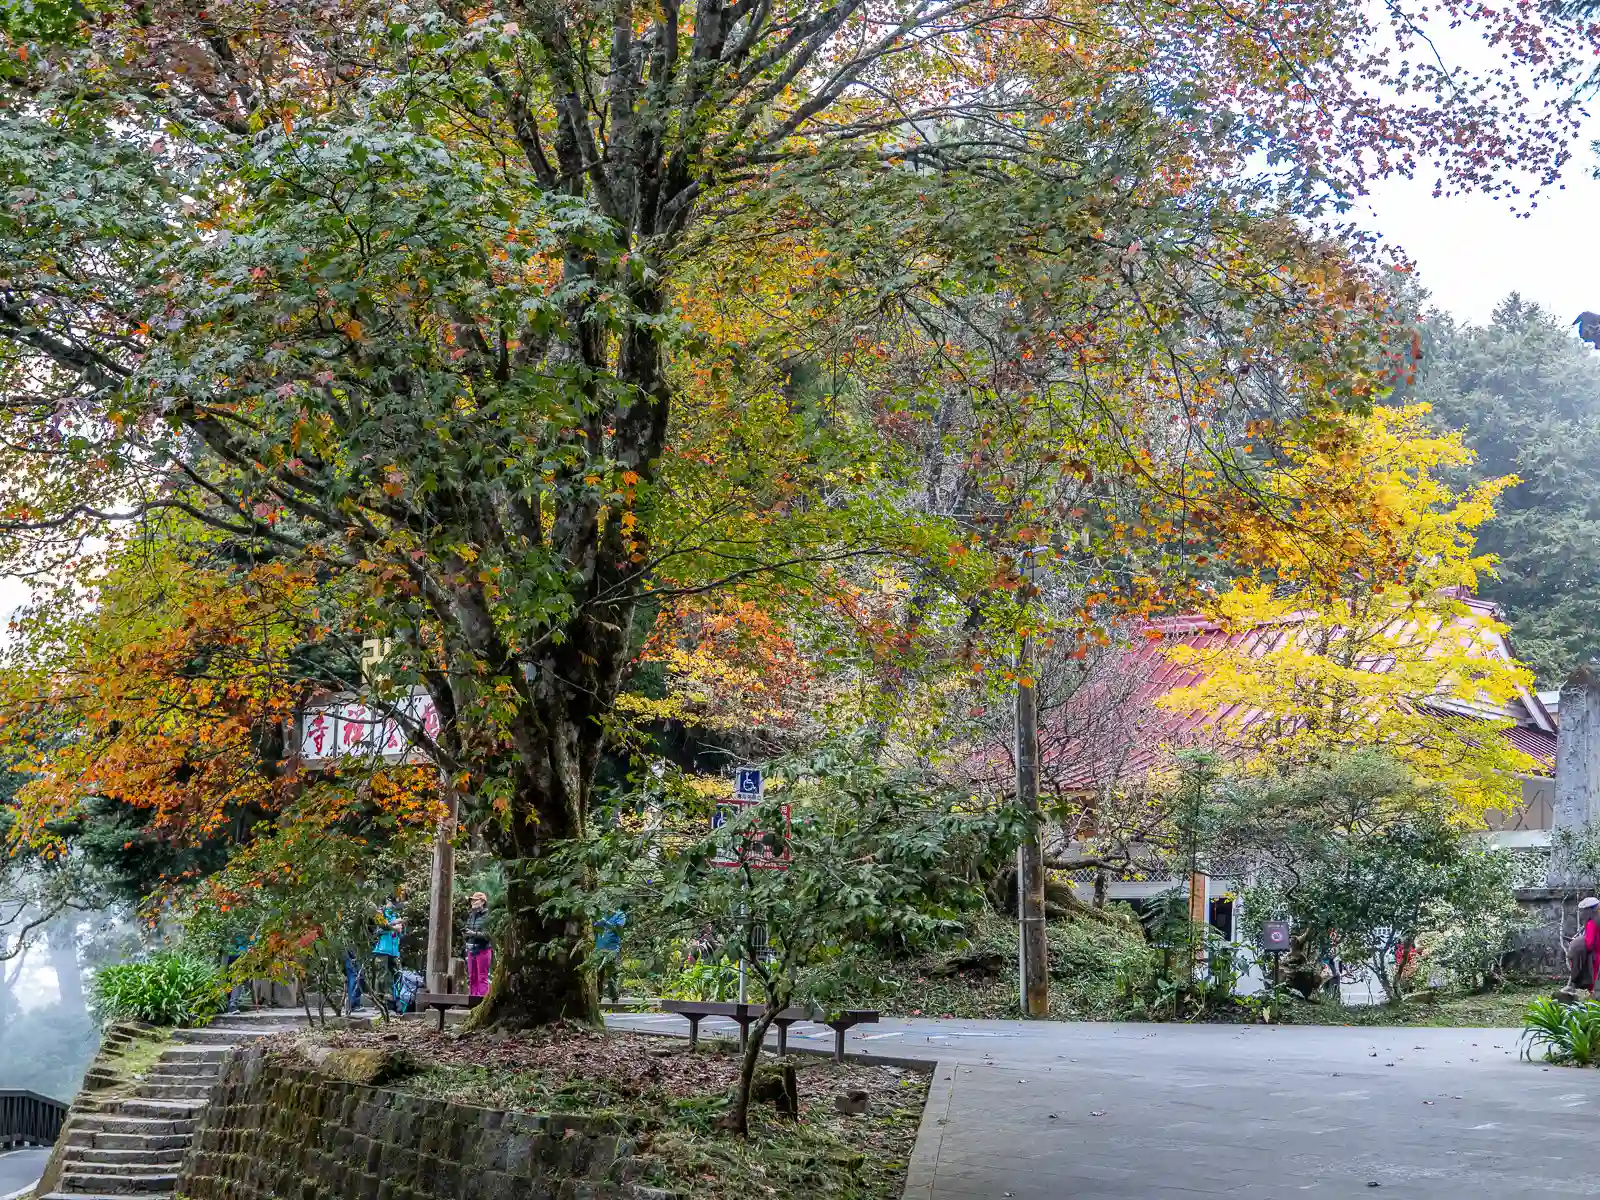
(1032, 954)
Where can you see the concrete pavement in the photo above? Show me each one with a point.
(20, 1169)
(1040, 1111)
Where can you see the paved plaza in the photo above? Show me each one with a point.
(19, 1169)
(1100, 1111)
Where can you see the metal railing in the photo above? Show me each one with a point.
(29, 1119)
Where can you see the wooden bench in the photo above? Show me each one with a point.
(745, 1014)
(842, 1021)
(444, 1000)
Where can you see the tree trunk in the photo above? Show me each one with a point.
(738, 1119)
(1302, 967)
(539, 976)
(64, 961)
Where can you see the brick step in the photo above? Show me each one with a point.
(124, 1143)
(171, 1110)
(111, 1122)
(195, 1054)
(100, 1162)
(188, 1089)
(119, 1185)
(159, 1079)
(128, 1154)
(255, 1018)
(215, 1037)
(185, 1066)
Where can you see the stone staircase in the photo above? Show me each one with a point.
(131, 1147)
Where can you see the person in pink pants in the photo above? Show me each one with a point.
(480, 951)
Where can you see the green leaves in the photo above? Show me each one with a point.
(1565, 1032)
(1527, 396)
(874, 855)
(1369, 865)
(164, 989)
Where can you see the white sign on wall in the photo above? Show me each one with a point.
(346, 728)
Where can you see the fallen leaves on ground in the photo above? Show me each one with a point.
(672, 1098)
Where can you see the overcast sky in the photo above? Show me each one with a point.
(1471, 251)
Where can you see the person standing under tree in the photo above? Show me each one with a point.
(1584, 949)
(608, 944)
(243, 988)
(480, 951)
(386, 955)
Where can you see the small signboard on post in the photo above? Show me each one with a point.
(754, 848)
(1275, 941)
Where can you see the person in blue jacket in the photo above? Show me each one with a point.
(386, 955)
(608, 944)
(240, 947)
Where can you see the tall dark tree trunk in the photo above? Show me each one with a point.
(64, 961)
(539, 974)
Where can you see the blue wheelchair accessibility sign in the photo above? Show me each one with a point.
(747, 784)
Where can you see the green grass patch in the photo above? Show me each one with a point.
(1500, 1009)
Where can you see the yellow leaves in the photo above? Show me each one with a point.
(1427, 677)
(353, 330)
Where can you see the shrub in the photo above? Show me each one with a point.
(1095, 967)
(1565, 1032)
(708, 979)
(164, 989)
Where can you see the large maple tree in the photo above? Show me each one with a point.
(452, 305)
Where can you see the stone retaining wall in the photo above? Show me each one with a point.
(1553, 915)
(279, 1130)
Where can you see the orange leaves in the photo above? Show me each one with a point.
(730, 664)
(173, 694)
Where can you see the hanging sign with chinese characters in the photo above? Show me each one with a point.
(345, 728)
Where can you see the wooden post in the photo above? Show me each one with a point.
(441, 894)
(1033, 952)
(1199, 894)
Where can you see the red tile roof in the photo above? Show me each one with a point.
(1113, 729)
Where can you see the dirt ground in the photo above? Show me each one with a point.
(673, 1099)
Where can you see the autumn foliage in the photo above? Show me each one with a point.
(503, 331)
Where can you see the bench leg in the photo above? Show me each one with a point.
(783, 1037)
(441, 1018)
(838, 1042)
(744, 1032)
(694, 1032)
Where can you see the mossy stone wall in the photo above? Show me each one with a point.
(277, 1129)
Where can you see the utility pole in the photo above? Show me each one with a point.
(1032, 953)
(441, 892)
